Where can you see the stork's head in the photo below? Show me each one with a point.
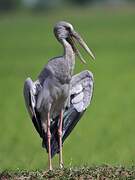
(64, 30)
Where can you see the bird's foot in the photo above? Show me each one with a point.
(61, 165)
(50, 168)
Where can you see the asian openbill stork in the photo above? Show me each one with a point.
(57, 99)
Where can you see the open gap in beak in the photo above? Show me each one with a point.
(74, 46)
(78, 39)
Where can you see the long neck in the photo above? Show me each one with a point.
(69, 55)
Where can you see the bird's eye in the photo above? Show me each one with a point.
(68, 29)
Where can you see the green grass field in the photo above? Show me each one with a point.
(107, 131)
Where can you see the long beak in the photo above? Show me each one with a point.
(73, 44)
(83, 44)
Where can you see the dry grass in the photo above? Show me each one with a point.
(94, 172)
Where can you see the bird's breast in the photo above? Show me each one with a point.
(60, 91)
(59, 96)
(61, 70)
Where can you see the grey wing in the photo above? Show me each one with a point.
(81, 90)
(30, 91)
(81, 93)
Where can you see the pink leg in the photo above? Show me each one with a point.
(49, 141)
(60, 140)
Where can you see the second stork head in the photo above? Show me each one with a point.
(64, 30)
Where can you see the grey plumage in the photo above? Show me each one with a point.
(81, 92)
(56, 89)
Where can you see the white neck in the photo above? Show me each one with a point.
(69, 54)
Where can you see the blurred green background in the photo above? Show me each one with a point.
(106, 132)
